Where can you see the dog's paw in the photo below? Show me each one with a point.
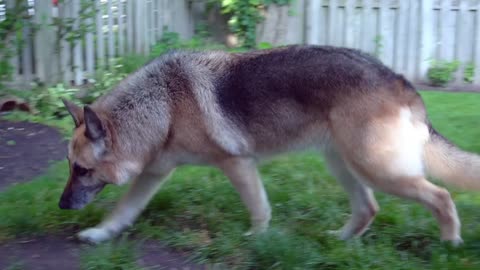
(256, 230)
(94, 235)
(455, 242)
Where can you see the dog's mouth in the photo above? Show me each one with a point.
(80, 197)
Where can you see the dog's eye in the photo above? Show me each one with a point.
(79, 170)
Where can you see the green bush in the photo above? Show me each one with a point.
(469, 73)
(441, 72)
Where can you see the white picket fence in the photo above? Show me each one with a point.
(121, 27)
(406, 34)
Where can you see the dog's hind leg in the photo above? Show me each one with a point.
(387, 154)
(362, 201)
(127, 210)
(244, 176)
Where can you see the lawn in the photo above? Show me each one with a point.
(199, 211)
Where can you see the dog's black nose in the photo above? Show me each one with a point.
(64, 204)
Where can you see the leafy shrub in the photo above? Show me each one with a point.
(244, 16)
(469, 73)
(441, 72)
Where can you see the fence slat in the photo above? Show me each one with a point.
(476, 78)
(146, 32)
(313, 21)
(121, 28)
(110, 34)
(130, 27)
(159, 17)
(100, 36)
(12, 39)
(27, 63)
(77, 48)
(64, 11)
(348, 32)
(401, 37)
(368, 27)
(385, 34)
(89, 50)
(461, 42)
(43, 41)
(444, 27)
(332, 19)
(427, 40)
(412, 47)
(139, 26)
(151, 19)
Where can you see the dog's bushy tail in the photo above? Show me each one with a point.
(450, 164)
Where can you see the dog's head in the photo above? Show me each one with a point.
(90, 156)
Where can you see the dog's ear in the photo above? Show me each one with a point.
(74, 110)
(94, 128)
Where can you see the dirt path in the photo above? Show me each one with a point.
(62, 252)
(26, 150)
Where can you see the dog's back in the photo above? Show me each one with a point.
(286, 97)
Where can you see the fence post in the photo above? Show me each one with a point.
(426, 38)
(44, 42)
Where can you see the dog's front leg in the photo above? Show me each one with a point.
(128, 209)
(245, 178)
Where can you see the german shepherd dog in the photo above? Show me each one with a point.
(231, 110)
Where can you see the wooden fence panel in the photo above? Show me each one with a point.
(406, 35)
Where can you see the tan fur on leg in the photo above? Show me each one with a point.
(127, 210)
(244, 176)
(362, 202)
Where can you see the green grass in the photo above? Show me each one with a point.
(118, 255)
(200, 212)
